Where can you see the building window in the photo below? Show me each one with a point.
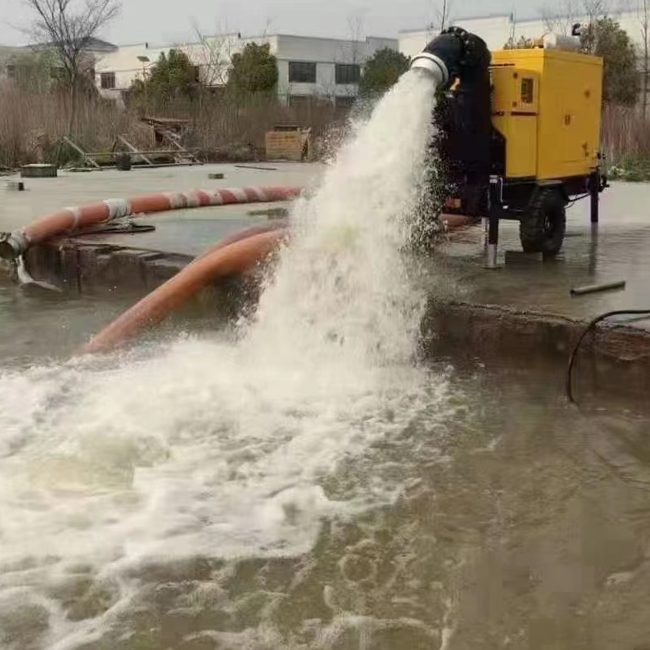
(302, 72)
(108, 80)
(299, 101)
(345, 102)
(347, 73)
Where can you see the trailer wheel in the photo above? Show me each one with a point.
(542, 229)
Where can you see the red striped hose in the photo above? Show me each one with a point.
(13, 245)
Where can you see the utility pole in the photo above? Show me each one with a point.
(144, 60)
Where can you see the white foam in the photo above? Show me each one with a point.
(209, 446)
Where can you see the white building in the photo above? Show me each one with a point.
(13, 59)
(497, 29)
(307, 66)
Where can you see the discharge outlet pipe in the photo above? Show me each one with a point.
(454, 54)
(460, 59)
(236, 255)
(13, 245)
(440, 59)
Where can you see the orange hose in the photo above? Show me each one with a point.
(71, 219)
(279, 224)
(222, 260)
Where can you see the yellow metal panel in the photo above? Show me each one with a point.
(520, 132)
(515, 90)
(569, 113)
(570, 110)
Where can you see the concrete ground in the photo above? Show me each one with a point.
(182, 231)
(619, 249)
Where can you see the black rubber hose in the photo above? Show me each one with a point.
(589, 328)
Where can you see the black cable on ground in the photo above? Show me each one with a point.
(589, 328)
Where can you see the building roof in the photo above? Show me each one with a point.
(92, 44)
(152, 45)
(498, 14)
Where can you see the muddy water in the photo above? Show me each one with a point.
(304, 480)
(519, 523)
(39, 324)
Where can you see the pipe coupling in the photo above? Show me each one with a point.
(432, 64)
(12, 245)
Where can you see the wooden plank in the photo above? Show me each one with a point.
(125, 142)
(78, 149)
(169, 136)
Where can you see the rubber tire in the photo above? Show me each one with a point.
(542, 230)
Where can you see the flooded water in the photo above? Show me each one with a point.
(472, 509)
(37, 324)
(303, 479)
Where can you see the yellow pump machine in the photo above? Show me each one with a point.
(520, 133)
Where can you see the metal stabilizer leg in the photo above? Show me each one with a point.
(492, 242)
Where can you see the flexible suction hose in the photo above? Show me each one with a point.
(235, 254)
(227, 258)
(13, 245)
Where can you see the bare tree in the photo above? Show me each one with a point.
(595, 9)
(442, 15)
(356, 30)
(644, 21)
(352, 53)
(214, 54)
(67, 28)
(560, 18)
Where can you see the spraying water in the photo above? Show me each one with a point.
(216, 447)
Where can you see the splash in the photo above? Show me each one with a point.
(209, 447)
(345, 263)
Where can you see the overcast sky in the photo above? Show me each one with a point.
(170, 21)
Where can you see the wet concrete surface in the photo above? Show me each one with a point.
(46, 195)
(615, 250)
(524, 523)
(179, 235)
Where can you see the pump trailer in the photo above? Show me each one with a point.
(518, 133)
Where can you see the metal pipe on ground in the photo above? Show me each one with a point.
(597, 288)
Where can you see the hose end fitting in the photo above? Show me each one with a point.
(12, 245)
(433, 65)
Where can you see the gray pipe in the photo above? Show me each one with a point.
(12, 245)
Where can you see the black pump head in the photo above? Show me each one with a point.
(455, 53)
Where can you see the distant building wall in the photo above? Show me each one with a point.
(331, 61)
(496, 30)
(13, 59)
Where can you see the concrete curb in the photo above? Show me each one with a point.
(615, 358)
